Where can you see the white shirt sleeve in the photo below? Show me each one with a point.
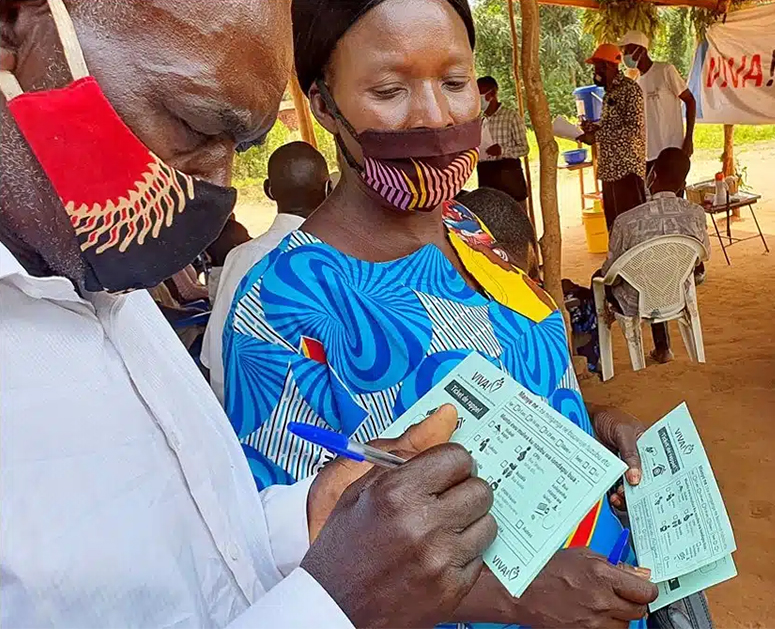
(297, 601)
(285, 509)
(675, 81)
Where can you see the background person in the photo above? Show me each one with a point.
(233, 235)
(500, 161)
(664, 90)
(388, 286)
(145, 513)
(187, 286)
(620, 135)
(510, 226)
(298, 181)
(663, 215)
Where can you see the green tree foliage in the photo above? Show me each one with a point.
(564, 47)
(675, 40)
(616, 17)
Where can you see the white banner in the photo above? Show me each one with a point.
(733, 75)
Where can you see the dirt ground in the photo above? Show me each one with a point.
(732, 397)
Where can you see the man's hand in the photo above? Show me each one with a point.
(579, 588)
(403, 546)
(495, 150)
(688, 146)
(335, 477)
(589, 127)
(620, 432)
(586, 138)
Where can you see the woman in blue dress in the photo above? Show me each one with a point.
(390, 284)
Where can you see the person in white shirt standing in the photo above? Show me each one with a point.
(126, 498)
(298, 181)
(504, 144)
(664, 91)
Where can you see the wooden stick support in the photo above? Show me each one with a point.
(521, 103)
(303, 113)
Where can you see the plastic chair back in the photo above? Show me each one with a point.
(658, 270)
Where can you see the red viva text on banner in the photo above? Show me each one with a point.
(729, 72)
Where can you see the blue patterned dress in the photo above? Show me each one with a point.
(320, 337)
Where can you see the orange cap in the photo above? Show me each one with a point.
(606, 52)
(719, 176)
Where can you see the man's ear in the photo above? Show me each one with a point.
(320, 110)
(268, 190)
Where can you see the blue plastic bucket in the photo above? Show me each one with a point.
(589, 102)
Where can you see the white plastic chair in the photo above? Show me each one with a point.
(658, 270)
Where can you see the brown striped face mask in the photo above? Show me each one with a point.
(413, 170)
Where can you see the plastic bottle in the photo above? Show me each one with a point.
(722, 191)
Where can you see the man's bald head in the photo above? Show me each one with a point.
(191, 78)
(297, 179)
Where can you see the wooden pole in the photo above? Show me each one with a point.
(521, 103)
(538, 106)
(303, 114)
(728, 156)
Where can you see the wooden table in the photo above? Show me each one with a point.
(735, 202)
(585, 196)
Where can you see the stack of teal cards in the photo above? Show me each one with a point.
(545, 472)
(679, 523)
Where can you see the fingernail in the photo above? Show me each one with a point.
(644, 572)
(633, 476)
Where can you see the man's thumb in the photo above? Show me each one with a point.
(430, 432)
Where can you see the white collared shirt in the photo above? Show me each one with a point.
(239, 261)
(126, 499)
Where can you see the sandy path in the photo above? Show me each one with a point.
(732, 397)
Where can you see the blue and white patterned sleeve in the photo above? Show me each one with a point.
(262, 395)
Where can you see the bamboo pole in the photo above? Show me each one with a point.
(538, 106)
(303, 113)
(521, 103)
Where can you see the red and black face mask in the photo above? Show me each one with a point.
(138, 221)
(412, 170)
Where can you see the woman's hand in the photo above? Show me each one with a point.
(620, 432)
(577, 588)
(338, 475)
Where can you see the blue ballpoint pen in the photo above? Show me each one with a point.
(341, 445)
(617, 552)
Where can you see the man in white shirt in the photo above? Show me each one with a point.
(298, 181)
(126, 498)
(664, 90)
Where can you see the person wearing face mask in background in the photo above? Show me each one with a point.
(390, 284)
(504, 144)
(620, 135)
(126, 498)
(664, 90)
